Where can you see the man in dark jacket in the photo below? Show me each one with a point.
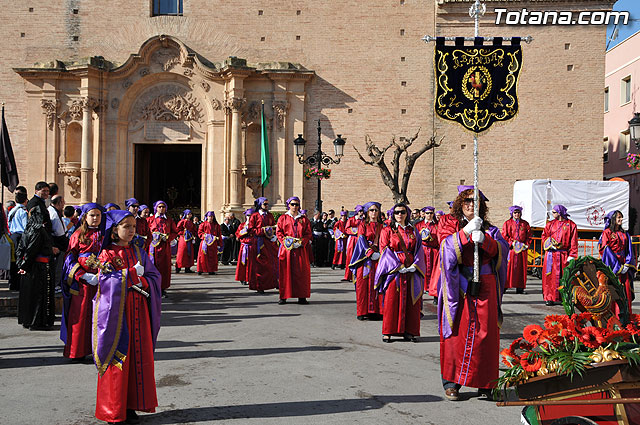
(38, 200)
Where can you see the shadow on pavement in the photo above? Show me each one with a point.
(184, 319)
(284, 409)
(181, 355)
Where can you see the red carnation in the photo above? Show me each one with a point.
(532, 332)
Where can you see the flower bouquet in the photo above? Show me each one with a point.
(321, 173)
(633, 160)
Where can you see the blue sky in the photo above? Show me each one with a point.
(624, 31)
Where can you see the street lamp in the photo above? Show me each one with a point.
(319, 158)
(634, 129)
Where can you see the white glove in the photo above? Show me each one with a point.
(273, 238)
(174, 242)
(410, 269)
(375, 256)
(477, 236)
(297, 244)
(474, 224)
(90, 278)
(623, 269)
(139, 269)
(569, 259)
(404, 270)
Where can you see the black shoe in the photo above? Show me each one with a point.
(435, 300)
(550, 303)
(386, 338)
(282, 301)
(164, 294)
(132, 417)
(260, 291)
(212, 273)
(177, 269)
(484, 394)
(333, 267)
(302, 301)
(199, 273)
(520, 291)
(361, 317)
(188, 270)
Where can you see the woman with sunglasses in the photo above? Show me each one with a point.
(400, 276)
(428, 230)
(294, 233)
(262, 263)
(469, 312)
(364, 263)
(560, 243)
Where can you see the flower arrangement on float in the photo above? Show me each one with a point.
(633, 160)
(568, 345)
(321, 173)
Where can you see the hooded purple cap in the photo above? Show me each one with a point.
(609, 217)
(293, 198)
(249, 211)
(560, 209)
(371, 204)
(142, 207)
(112, 219)
(185, 213)
(258, 202)
(303, 212)
(463, 187)
(358, 208)
(210, 213)
(514, 208)
(91, 206)
(425, 209)
(131, 201)
(343, 213)
(111, 205)
(440, 212)
(155, 205)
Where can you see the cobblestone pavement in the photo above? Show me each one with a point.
(228, 355)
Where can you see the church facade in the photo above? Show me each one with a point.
(127, 102)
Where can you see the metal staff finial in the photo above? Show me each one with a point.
(477, 10)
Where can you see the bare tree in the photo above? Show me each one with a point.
(398, 183)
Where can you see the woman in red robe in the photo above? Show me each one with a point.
(428, 230)
(517, 233)
(617, 252)
(340, 235)
(351, 230)
(210, 236)
(164, 230)
(469, 313)
(400, 276)
(560, 243)
(242, 234)
(126, 322)
(364, 263)
(187, 232)
(294, 233)
(143, 234)
(79, 283)
(262, 269)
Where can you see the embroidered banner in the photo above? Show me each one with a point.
(477, 85)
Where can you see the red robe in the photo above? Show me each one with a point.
(430, 247)
(184, 257)
(160, 254)
(294, 264)
(565, 233)
(262, 268)
(142, 229)
(400, 314)
(210, 239)
(134, 386)
(243, 253)
(367, 299)
(519, 231)
(340, 257)
(351, 229)
(619, 244)
(80, 313)
(471, 354)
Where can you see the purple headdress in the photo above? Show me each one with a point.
(514, 208)
(358, 208)
(560, 209)
(249, 211)
(303, 212)
(439, 212)
(425, 209)
(112, 219)
(185, 213)
(343, 213)
(463, 187)
(450, 203)
(142, 208)
(111, 205)
(155, 205)
(131, 201)
(371, 204)
(258, 202)
(293, 198)
(608, 218)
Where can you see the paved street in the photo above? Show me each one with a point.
(228, 355)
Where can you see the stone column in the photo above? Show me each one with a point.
(86, 159)
(235, 167)
(280, 108)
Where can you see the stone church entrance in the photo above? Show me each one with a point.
(171, 173)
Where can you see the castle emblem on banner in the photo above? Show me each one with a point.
(477, 85)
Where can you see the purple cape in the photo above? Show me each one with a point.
(110, 334)
(611, 260)
(389, 267)
(452, 286)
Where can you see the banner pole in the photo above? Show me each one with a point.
(475, 11)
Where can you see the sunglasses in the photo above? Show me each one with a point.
(135, 206)
(374, 209)
(402, 212)
(467, 200)
(293, 204)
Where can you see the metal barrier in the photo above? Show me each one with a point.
(585, 247)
